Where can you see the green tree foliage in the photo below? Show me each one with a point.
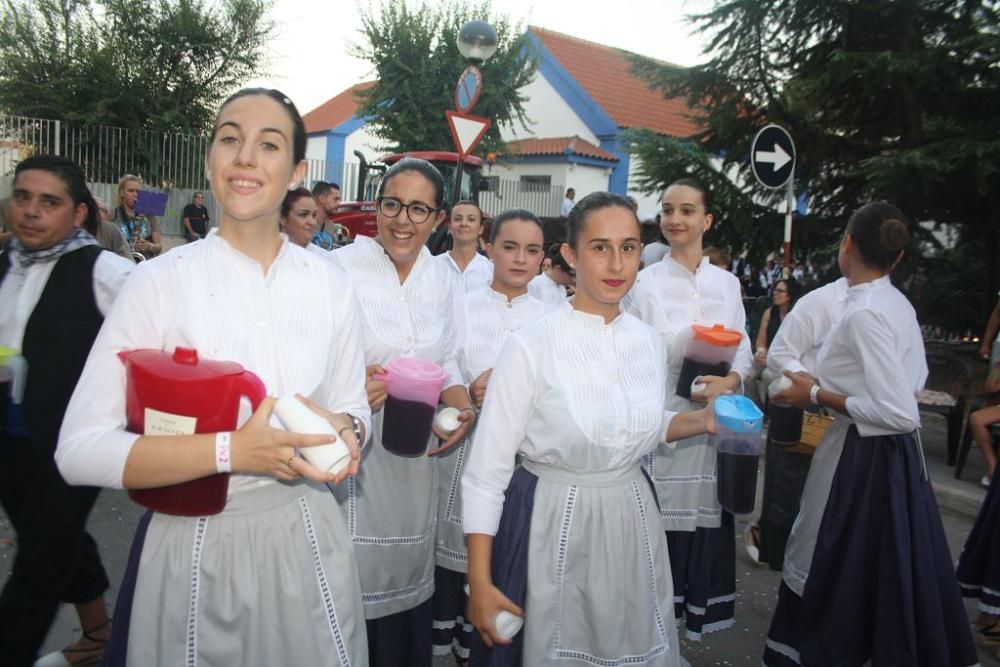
(160, 65)
(893, 99)
(416, 64)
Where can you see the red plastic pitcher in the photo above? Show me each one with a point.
(180, 394)
(413, 387)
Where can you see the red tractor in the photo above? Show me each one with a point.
(358, 216)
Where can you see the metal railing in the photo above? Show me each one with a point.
(543, 201)
(105, 153)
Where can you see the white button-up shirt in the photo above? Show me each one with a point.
(477, 275)
(875, 357)
(805, 327)
(413, 319)
(296, 327)
(486, 319)
(570, 391)
(22, 288)
(670, 298)
(544, 288)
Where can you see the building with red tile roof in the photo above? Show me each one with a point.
(581, 104)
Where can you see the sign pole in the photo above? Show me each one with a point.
(789, 209)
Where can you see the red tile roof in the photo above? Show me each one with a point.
(336, 110)
(605, 74)
(559, 146)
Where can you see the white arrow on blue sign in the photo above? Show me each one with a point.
(772, 156)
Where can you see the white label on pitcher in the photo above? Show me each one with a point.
(164, 423)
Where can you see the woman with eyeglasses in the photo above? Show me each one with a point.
(407, 306)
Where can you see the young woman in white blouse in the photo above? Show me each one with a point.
(485, 320)
(272, 579)
(868, 578)
(408, 311)
(571, 540)
(683, 289)
(469, 270)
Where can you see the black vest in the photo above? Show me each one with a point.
(57, 340)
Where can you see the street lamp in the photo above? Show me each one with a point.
(477, 41)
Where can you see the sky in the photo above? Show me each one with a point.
(309, 59)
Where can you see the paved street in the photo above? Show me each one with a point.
(113, 520)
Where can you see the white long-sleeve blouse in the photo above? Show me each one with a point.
(569, 391)
(296, 327)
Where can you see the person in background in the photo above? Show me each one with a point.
(110, 235)
(327, 196)
(868, 577)
(717, 257)
(298, 220)
(654, 245)
(195, 218)
(672, 295)
(783, 296)
(407, 306)
(141, 231)
(271, 579)
(5, 234)
(561, 522)
(992, 332)
(56, 286)
(469, 270)
(551, 286)
(485, 320)
(567, 204)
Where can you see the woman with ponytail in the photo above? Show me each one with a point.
(868, 578)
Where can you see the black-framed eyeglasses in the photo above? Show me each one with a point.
(417, 212)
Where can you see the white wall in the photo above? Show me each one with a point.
(363, 140)
(316, 147)
(551, 115)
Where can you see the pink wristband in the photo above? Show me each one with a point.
(223, 462)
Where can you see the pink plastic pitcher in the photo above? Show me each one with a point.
(413, 387)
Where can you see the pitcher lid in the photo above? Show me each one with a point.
(181, 364)
(717, 335)
(418, 369)
(738, 414)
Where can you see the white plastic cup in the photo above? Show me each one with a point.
(446, 421)
(506, 623)
(298, 418)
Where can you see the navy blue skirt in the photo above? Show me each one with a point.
(452, 632)
(881, 586)
(509, 566)
(703, 566)
(979, 564)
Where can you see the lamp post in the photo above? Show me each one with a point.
(477, 42)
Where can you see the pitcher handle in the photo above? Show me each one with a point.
(252, 387)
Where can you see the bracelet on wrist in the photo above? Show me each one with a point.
(223, 453)
(814, 394)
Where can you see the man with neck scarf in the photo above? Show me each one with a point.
(56, 285)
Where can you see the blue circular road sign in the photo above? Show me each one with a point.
(470, 85)
(772, 156)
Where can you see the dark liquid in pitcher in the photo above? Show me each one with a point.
(406, 427)
(691, 369)
(736, 481)
(785, 426)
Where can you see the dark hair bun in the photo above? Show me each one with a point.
(893, 235)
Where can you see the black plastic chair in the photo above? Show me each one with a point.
(953, 376)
